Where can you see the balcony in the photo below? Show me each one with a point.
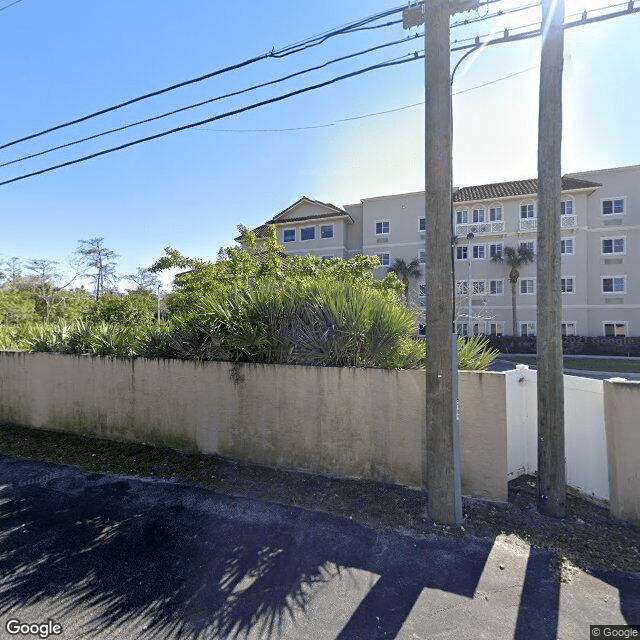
(531, 224)
(480, 228)
(528, 224)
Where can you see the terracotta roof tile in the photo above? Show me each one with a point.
(515, 188)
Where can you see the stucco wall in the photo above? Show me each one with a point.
(622, 420)
(365, 423)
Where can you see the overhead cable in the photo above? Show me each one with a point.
(215, 99)
(250, 107)
(280, 53)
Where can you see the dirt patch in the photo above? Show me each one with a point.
(587, 537)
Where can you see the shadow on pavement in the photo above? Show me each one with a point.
(191, 564)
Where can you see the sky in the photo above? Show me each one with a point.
(190, 190)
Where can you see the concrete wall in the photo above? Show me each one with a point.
(365, 423)
(622, 418)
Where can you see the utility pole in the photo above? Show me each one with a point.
(441, 456)
(551, 456)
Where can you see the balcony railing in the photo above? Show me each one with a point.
(528, 224)
(480, 228)
(531, 224)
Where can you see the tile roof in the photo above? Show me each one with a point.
(515, 188)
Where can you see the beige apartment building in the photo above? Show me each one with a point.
(600, 223)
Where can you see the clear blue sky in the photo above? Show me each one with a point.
(63, 60)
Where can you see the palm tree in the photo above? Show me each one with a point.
(405, 272)
(514, 259)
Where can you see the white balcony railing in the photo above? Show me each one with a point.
(528, 224)
(567, 222)
(480, 228)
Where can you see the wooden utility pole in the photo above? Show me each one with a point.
(441, 456)
(551, 456)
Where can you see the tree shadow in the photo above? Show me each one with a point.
(186, 563)
(191, 564)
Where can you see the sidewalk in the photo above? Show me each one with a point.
(118, 557)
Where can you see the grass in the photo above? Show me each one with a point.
(594, 363)
(587, 537)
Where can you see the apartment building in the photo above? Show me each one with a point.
(600, 228)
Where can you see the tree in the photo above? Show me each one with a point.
(144, 279)
(97, 256)
(514, 259)
(405, 273)
(238, 268)
(49, 294)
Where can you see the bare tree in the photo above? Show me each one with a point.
(96, 256)
(144, 279)
(49, 292)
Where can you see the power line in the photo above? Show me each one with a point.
(584, 20)
(280, 53)
(10, 5)
(477, 45)
(214, 118)
(370, 115)
(406, 39)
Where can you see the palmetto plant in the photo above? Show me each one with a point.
(514, 259)
(405, 273)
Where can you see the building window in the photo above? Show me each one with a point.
(613, 207)
(308, 233)
(527, 328)
(527, 211)
(423, 290)
(615, 329)
(422, 224)
(462, 287)
(462, 216)
(568, 328)
(496, 328)
(462, 329)
(566, 208)
(385, 259)
(326, 231)
(567, 285)
(382, 228)
(478, 287)
(496, 287)
(462, 253)
(529, 244)
(527, 286)
(478, 215)
(495, 250)
(613, 246)
(289, 235)
(614, 284)
(479, 251)
(495, 213)
(566, 246)
(422, 257)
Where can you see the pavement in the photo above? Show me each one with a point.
(112, 557)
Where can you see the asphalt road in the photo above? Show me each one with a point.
(120, 558)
